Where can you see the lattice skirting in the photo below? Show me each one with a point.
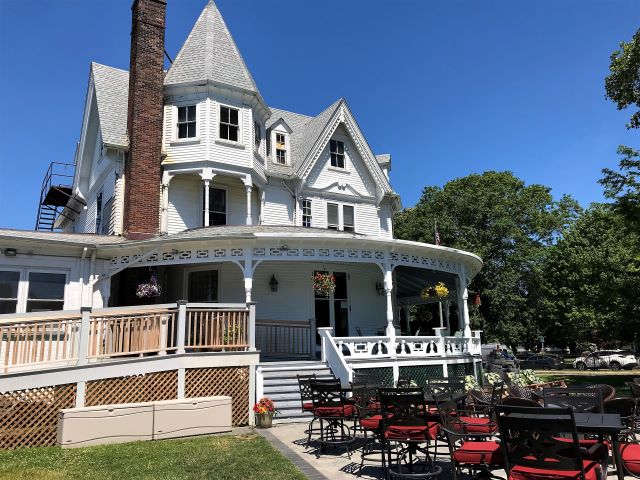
(231, 381)
(149, 387)
(382, 376)
(29, 418)
(421, 373)
(460, 369)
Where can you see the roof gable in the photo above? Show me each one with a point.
(112, 92)
(210, 54)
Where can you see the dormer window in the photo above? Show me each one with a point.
(337, 153)
(229, 124)
(281, 149)
(187, 121)
(257, 134)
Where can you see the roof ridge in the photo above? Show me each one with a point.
(108, 66)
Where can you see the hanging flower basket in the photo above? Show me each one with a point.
(439, 290)
(324, 284)
(149, 290)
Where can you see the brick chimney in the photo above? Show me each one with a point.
(144, 120)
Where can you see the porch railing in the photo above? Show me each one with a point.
(31, 341)
(286, 338)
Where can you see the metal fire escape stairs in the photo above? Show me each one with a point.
(57, 190)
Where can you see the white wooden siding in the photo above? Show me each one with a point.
(278, 206)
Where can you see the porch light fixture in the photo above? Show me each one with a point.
(380, 288)
(273, 283)
(10, 252)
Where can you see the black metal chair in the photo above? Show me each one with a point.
(405, 423)
(523, 392)
(580, 399)
(404, 381)
(332, 411)
(520, 402)
(535, 445)
(306, 401)
(450, 386)
(607, 391)
(484, 403)
(364, 397)
(479, 452)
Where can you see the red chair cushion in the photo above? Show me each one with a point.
(479, 453)
(375, 406)
(337, 411)
(591, 472)
(372, 423)
(481, 425)
(307, 406)
(412, 432)
(599, 455)
(631, 457)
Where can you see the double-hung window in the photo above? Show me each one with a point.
(217, 206)
(306, 213)
(281, 148)
(337, 153)
(229, 123)
(187, 121)
(9, 282)
(340, 217)
(46, 291)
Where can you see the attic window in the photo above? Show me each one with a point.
(281, 149)
(229, 125)
(187, 121)
(337, 153)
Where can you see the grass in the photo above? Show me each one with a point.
(616, 380)
(216, 457)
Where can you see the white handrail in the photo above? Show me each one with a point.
(334, 357)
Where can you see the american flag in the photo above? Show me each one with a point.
(437, 233)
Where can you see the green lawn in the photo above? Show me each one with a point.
(215, 457)
(616, 380)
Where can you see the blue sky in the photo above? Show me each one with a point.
(447, 87)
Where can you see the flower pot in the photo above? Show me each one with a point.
(264, 420)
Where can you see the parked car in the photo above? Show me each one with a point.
(613, 359)
(542, 362)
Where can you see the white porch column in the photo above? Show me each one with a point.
(247, 272)
(164, 199)
(248, 185)
(388, 288)
(205, 183)
(464, 323)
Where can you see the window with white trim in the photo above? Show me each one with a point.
(187, 121)
(46, 291)
(281, 148)
(341, 217)
(229, 123)
(337, 153)
(306, 213)
(257, 134)
(217, 206)
(98, 211)
(9, 282)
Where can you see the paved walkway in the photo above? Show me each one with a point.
(335, 464)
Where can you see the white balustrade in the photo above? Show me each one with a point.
(334, 357)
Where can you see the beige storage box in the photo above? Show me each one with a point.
(81, 427)
(196, 416)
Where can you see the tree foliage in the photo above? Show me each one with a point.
(591, 282)
(624, 187)
(509, 225)
(623, 83)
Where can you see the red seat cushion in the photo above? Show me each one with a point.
(481, 425)
(412, 432)
(591, 472)
(307, 406)
(337, 411)
(479, 453)
(631, 457)
(375, 406)
(599, 455)
(372, 423)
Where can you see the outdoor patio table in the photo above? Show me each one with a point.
(431, 399)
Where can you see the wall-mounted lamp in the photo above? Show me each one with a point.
(273, 283)
(10, 252)
(380, 288)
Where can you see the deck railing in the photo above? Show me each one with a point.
(286, 338)
(31, 341)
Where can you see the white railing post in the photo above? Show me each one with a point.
(83, 343)
(251, 327)
(164, 325)
(182, 325)
(312, 338)
(259, 384)
(441, 333)
(323, 343)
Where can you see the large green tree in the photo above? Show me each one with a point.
(623, 187)
(508, 224)
(591, 283)
(623, 83)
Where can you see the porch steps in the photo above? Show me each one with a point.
(281, 385)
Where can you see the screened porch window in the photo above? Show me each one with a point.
(9, 282)
(229, 124)
(46, 291)
(187, 121)
(217, 206)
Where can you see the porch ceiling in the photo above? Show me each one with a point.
(411, 280)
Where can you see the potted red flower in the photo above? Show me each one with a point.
(265, 409)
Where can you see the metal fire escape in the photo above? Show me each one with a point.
(57, 189)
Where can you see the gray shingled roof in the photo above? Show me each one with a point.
(210, 54)
(59, 237)
(112, 91)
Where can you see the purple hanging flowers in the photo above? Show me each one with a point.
(151, 289)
